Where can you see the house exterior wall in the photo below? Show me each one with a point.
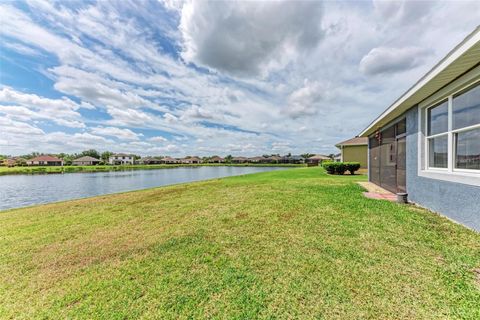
(459, 202)
(355, 154)
(84, 163)
(121, 160)
(45, 163)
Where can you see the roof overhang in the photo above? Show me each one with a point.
(461, 59)
(339, 145)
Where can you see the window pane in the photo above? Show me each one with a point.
(467, 151)
(438, 118)
(466, 108)
(437, 152)
(402, 127)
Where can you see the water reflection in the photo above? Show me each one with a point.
(24, 190)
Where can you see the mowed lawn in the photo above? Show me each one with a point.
(278, 245)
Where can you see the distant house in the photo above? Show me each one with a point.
(15, 161)
(239, 160)
(216, 159)
(150, 160)
(337, 157)
(170, 160)
(274, 159)
(354, 150)
(121, 159)
(256, 159)
(45, 161)
(191, 160)
(9, 162)
(317, 159)
(292, 159)
(85, 161)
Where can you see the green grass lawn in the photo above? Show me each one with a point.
(62, 169)
(277, 245)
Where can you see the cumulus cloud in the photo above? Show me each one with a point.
(158, 139)
(135, 65)
(306, 100)
(9, 126)
(248, 38)
(125, 134)
(31, 106)
(198, 113)
(240, 148)
(128, 116)
(403, 11)
(386, 60)
(281, 146)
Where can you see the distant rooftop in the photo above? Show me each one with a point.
(357, 141)
(45, 158)
(86, 158)
(121, 155)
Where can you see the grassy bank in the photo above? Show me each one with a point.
(284, 244)
(102, 168)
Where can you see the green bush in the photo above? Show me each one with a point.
(329, 166)
(341, 167)
(352, 167)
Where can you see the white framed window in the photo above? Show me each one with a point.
(437, 135)
(450, 134)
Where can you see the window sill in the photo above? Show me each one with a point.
(469, 178)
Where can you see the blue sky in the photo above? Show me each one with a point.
(201, 78)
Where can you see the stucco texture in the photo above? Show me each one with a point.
(355, 154)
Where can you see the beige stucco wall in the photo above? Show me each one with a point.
(355, 154)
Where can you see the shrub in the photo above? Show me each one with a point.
(340, 168)
(330, 167)
(352, 166)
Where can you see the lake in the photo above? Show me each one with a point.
(26, 190)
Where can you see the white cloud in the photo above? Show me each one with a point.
(198, 113)
(307, 100)
(131, 61)
(281, 146)
(9, 126)
(31, 106)
(158, 139)
(130, 117)
(21, 48)
(384, 60)
(403, 11)
(125, 134)
(248, 38)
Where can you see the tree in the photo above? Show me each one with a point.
(91, 153)
(105, 155)
(228, 159)
(67, 159)
(307, 155)
(331, 156)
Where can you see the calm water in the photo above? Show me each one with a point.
(25, 190)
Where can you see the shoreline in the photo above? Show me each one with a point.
(105, 168)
